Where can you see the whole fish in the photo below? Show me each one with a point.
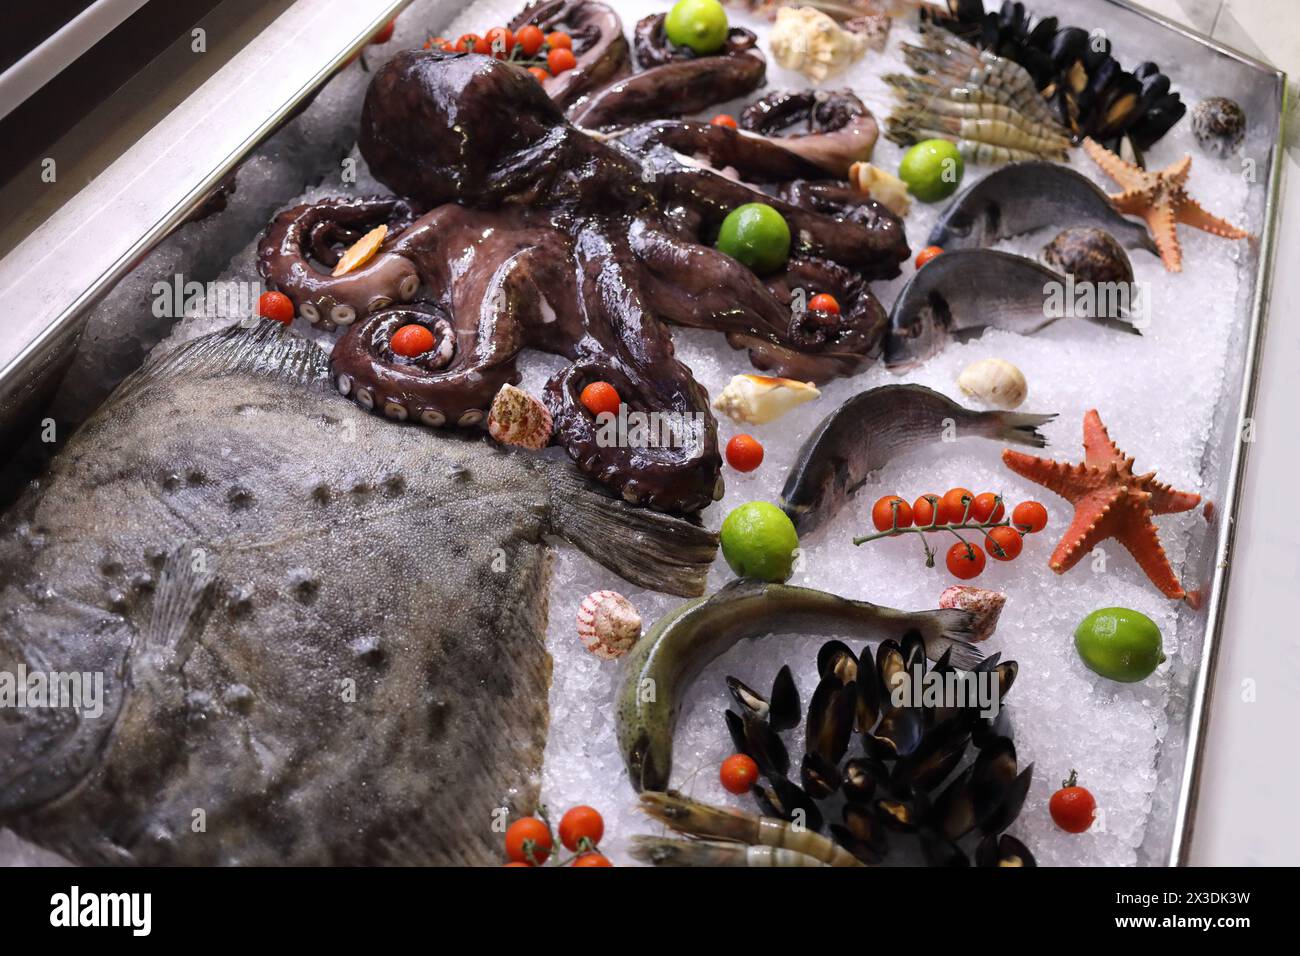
(870, 429)
(320, 634)
(1022, 197)
(959, 294)
(661, 667)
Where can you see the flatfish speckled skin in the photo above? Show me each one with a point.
(321, 633)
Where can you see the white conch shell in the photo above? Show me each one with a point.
(807, 40)
(758, 399)
(608, 624)
(885, 188)
(516, 418)
(995, 382)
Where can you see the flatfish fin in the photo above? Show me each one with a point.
(267, 348)
(651, 549)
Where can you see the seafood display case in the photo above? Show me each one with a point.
(69, 350)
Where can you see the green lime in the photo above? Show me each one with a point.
(698, 24)
(932, 169)
(1119, 643)
(759, 541)
(756, 235)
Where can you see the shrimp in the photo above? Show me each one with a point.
(994, 132)
(981, 110)
(665, 852)
(702, 820)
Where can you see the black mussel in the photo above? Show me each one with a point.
(861, 777)
(836, 658)
(784, 709)
(1068, 45)
(954, 813)
(1146, 68)
(860, 820)
(756, 739)
(992, 776)
(937, 755)
(1012, 15)
(1090, 255)
(1003, 851)
(940, 851)
(1118, 108)
(1007, 671)
(750, 700)
(1041, 36)
(786, 800)
(1219, 125)
(820, 779)
(1159, 119)
(867, 706)
(984, 731)
(1008, 809)
(913, 649)
(845, 838)
(890, 666)
(830, 718)
(903, 815)
(898, 734)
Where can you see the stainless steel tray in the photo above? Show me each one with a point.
(33, 354)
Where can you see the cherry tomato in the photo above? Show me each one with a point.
(530, 39)
(601, 397)
(592, 859)
(965, 561)
(559, 41)
(411, 340)
(986, 509)
(1072, 807)
(1029, 516)
(276, 306)
(579, 824)
(724, 119)
(438, 43)
(926, 254)
(385, 32)
(517, 863)
(528, 840)
(472, 43)
(539, 74)
(738, 773)
(744, 453)
(952, 509)
(1004, 543)
(561, 59)
(822, 302)
(500, 41)
(924, 510)
(882, 513)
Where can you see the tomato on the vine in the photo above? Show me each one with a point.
(579, 824)
(986, 508)
(1029, 516)
(1005, 543)
(953, 507)
(882, 513)
(925, 508)
(528, 840)
(1073, 808)
(530, 39)
(965, 560)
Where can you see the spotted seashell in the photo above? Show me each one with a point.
(984, 604)
(1219, 125)
(608, 624)
(1090, 255)
(516, 418)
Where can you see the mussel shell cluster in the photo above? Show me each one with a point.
(1091, 93)
(877, 776)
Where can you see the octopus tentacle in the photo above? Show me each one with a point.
(298, 236)
(830, 128)
(653, 48)
(754, 158)
(598, 44)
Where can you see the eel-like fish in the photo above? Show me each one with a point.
(661, 667)
(320, 634)
(1022, 197)
(873, 427)
(959, 294)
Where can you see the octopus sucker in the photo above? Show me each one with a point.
(544, 236)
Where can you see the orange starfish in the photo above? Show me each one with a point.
(1161, 199)
(1109, 502)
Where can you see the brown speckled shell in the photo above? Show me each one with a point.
(1219, 125)
(1090, 255)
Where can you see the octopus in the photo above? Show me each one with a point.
(522, 218)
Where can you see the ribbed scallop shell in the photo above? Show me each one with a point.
(516, 418)
(608, 624)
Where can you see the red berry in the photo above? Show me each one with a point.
(560, 59)
(882, 513)
(953, 507)
(925, 508)
(738, 773)
(600, 397)
(723, 119)
(965, 561)
(1029, 516)
(1072, 807)
(276, 306)
(559, 41)
(592, 859)
(530, 39)
(581, 823)
(1004, 543)
(824, 303)
(539, 74)
(926, 254)
(500, 42)
(411, 340)
(744, 453)
(986, 508)
(528, 840)
(385, 33)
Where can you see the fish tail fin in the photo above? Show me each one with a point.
(265, 348)
(1016, 427)
(648, 548)
(949, 631)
